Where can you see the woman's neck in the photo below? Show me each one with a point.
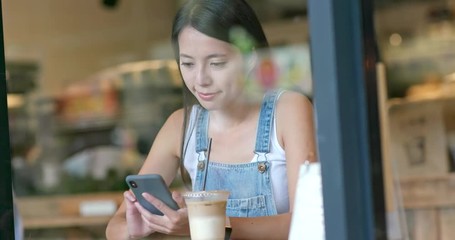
(232, 117)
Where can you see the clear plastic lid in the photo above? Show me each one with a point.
(216, 195)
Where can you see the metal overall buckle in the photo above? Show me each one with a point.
(262, 167)
(201, 161)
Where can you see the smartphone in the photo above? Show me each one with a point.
(154, 185)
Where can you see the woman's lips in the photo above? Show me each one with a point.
(206, 96)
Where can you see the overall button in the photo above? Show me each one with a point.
(262, 167)
(201, 165)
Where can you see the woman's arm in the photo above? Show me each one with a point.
(162, 159)
(116, 227)
(296, 134)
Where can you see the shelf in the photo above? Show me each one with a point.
(80, 126)
(394, 102)
(63, 222)
(43, 212)
(428, 192)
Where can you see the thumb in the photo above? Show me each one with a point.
(129, 200)
(178, 198)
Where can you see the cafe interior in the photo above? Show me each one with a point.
(90, 83)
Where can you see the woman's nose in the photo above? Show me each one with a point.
(202, 76)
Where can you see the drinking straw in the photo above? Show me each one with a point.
(207, 163)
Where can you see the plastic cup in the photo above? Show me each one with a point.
(207, 214)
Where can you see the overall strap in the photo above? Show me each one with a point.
(265, 124)
(201, 130)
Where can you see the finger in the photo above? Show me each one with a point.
(128, 199)
(157, 227)
(178, 198)
(159, 204)
(131, 211)
(155, 222)
(146, 214)
(129, 196)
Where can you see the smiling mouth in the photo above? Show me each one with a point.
(206, 96)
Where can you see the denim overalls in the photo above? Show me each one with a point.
(249, 183)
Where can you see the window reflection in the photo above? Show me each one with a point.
(78, 74)
(89, 86)
(416, 40)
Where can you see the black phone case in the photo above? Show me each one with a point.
(154, 185)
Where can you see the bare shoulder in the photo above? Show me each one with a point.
(176, 116)
(173, 126)
(174, 122)
(295, 126)
(292, 102)
(167, 141)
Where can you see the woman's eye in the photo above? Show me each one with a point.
(186, 64)
(218, 64)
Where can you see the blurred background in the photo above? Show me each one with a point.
(91, 82)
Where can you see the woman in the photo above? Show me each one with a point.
(257, 147)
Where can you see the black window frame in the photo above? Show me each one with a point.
(6, 192)
(344, 57)
(343, 52)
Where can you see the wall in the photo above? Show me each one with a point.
(71, 40)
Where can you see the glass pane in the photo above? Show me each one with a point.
(417, 40)
(90, 84)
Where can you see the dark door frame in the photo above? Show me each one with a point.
(6, 192)
(344, 56)
(343, 68)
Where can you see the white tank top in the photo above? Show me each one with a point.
(276, 157)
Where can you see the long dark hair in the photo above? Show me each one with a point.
(218, 19)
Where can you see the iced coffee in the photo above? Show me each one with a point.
(207, 214)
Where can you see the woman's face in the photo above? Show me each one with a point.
(211, 69)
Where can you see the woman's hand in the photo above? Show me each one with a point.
(137, 228)
(142, 223)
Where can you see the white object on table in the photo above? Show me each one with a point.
(308, 215)
(97, 208)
